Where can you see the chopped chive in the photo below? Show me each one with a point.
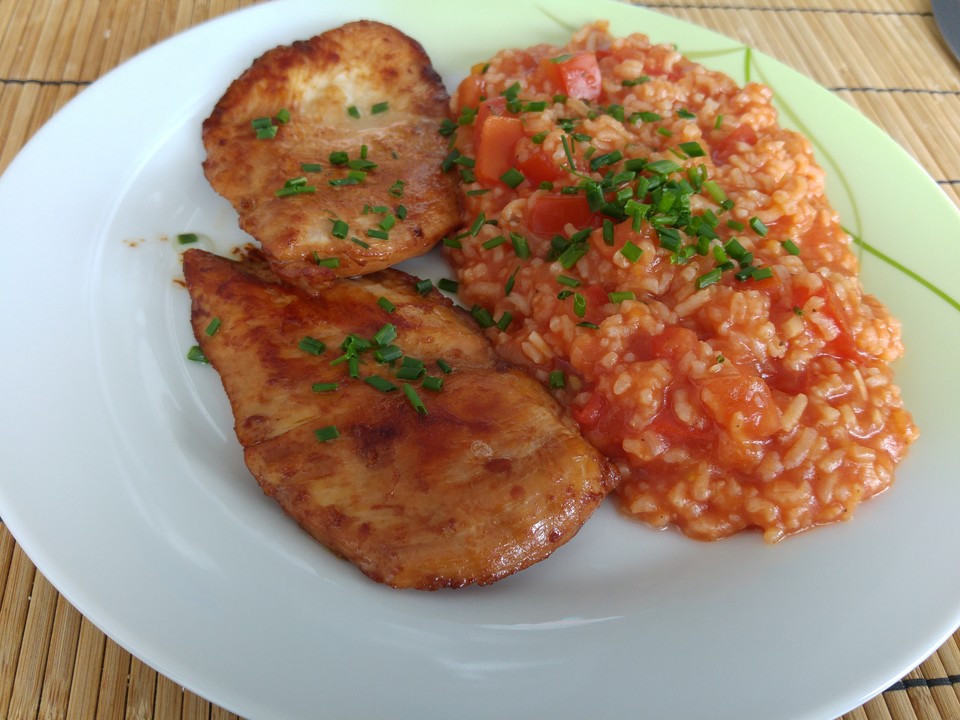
(387, 354)
(589, 325)
(432, 382)
(325, 434)
(187, 238)
(312, 345)
(718, 122)
(504, 322)
(568, 281)
(353, 111)
(397, 188)
(196, 354)
(311, 167)
(735, 225)
(283, 116)
(666, 132)
(756, 224)
(508, 287)
(340, 229)
(379, 107)
(520, 246)
(361, 243)
(686, 114)
(649, 116)
(709, 278)
(512, 177)
(636, 81)
(662, 167)
(477, 224)
(482, 316)
(557, 379)
(213, 327)
(378, 234)
(571, 256)
(381, 384)
(330, 262)
(539, 138)
(579, 305)
(448, 285)
(790, 246)
(692, 149)
(761, 273)
(385, 335)
(715, 191)
(260, 123)
(386, 304)
(266, 133)
(607, 232)
(444, 366)
(494, 242)
(631, 251)
(424, 286)
(414, 399)
(338, 157)
(452, 242)
(606, 159)
(619, 297)
(324, 387)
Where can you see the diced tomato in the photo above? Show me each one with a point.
(724, 148)
(577, 76)
(496, 149)
(843, 346)
(743, 404)
(470, 90)
(588, 416)
(486, 108)
(674, 342)
(539, 167)
(549, 214)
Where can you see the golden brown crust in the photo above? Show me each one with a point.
(359, 64)
(491, 480)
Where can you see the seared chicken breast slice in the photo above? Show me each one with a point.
(452, 468)
(330, 152)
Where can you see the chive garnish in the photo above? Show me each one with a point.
(482, 316)
(424, 286)
(790, 246)
(325, 434)
(330, 262)
(444, 366)
(312, 345)
(311, 167)
(213, 327)
(414, 399)
(631, 251)
(448, 285)
(187, 238)
(381, 384)
(324, 387)
(432, 382)
(512, 178)
(619, 297)
(196, 354)
(386, 304)
(380, 107)
(493, 242)
(385, 335)
(756, 224)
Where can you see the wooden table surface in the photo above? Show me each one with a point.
(884, 57)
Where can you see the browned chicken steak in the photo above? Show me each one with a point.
(329, 150)
(451, 468)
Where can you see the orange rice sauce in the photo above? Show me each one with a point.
(729, 398)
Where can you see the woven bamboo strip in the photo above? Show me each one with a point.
(169, 700)
(13, 618)
(85, 685)
(28, 681)
(114, 675)
(58, 674)
(141, 691)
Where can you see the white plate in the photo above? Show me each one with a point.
(124, 483)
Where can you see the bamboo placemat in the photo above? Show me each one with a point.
(884, 57)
